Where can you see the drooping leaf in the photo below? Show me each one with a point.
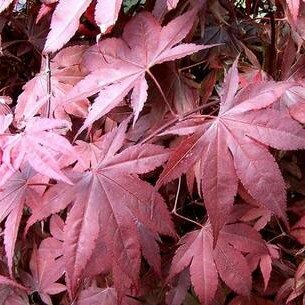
(226, 259)
(65, 72)
(39, 146)
(106, 13)
(233, 146)
(14, 195)
(45, 271)
(119, 65)
(294, 97)
(66, 20)
(111, 206)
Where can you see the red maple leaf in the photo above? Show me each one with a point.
(112, 205)
(45, 271)
(66, 72)
(15, 194)
(39, 146)
(233, 146)
(119, 65)
(226, 259)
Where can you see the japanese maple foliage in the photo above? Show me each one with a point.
(151, 152)
(229, 148)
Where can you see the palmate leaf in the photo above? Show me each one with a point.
(233, 147)
(119, 65)
(98, 240)
(112, 204)
(66, 72)
(39, 146)
(44, 274)
(14, 195)
(46, 264)
(226, 259)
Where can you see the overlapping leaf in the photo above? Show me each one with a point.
(114, 206)
(14, 195)
(105, 215)
(233, 146)
(45, 273)
(164, 5)
(39, 146)
(226, 259)
(66, 72)
(119, 65)
(65, 20)
(12, 293)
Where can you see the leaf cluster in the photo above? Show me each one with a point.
(151, 152)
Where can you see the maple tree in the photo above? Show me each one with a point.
(152, 152)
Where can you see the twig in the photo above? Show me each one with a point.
(162, 93)
(192, 66)
(177, 119)
(49, 88)
(272, 53)
(276, 237)
(174, 211)
(40, 184)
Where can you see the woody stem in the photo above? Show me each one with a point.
(177, 119)
(174, 211)
(162, 93)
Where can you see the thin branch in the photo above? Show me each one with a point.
(174, 211)
(40, 184)
(11, 85)
(276, 237)
(192, 66)
(177, 196)
(263, 18)
(301, 251)
(162, 93)
(272, 53)
(279, 224)
(49, 88)
(177, 119)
